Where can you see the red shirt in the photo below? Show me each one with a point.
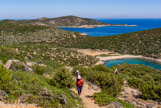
(79, 82)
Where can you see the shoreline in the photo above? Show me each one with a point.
(103, 59)
(93, 26)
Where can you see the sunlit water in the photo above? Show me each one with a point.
(155, 65)
(142, 24)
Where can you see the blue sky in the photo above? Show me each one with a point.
(26, 9)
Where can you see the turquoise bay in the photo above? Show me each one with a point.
(110, 63)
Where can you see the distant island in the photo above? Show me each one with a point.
(67, 21)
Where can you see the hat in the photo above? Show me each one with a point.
(79, 77)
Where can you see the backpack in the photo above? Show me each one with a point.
(80, 82)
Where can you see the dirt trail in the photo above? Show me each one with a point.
(86, 96)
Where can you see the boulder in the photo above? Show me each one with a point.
(74, 96)
(30, 64)
(24, 98)
(114, 105)
(150, 105)
(69, 68)
(3, 95)
(63, 99)
(0, 62)
(17, 65)
(45, 93)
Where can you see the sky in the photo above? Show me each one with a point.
(30, 9)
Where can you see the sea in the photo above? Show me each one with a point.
(142, 24)
(110, 63)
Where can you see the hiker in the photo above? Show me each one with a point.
(116, 71)
(77, 73)
(79, 84)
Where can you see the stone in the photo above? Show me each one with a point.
(10, 65)
(114, 105)
(117, 104)
(0, 62)
(73, 95)
(63, 99)
(30, 64)
(45, 93)
(3, 95)
(149, 105)
(24, 98)
(69, 68)
(110, 106)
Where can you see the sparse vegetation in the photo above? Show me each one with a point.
(103, 99)
(34, 88)
(62, 78)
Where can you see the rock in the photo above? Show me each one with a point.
(69, 68)
(93, 86)
(45, 93)
(17, 65)
(3, 95)
(30, 64)
(117, 104)
(0, 62)
(63, 99)
(110, 106)
(149, 105)
(24, 98)
(114, 105)
(73, 95)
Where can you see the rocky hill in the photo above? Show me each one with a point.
(64, 21)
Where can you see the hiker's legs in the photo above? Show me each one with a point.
(79, 88)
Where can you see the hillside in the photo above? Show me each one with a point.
(146, 43)
(10, 33)
(63, 21)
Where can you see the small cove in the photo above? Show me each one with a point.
(110, 63)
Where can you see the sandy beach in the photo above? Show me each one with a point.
(95, 52)
(118, 57)
(93, 26)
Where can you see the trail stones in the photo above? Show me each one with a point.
(3, 95)
(114, 105)
(0, 62)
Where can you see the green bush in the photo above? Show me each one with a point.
(32, 84)
(38, 69)
(146, 79)
(8, 53)
(62, 78)
(6, 82)
(149, 89)
(104, 99)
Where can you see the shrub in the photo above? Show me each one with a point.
(104, 99)
(38, 69)
(8, 53)
(62, 78)
(6, 82)
(149, 89)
